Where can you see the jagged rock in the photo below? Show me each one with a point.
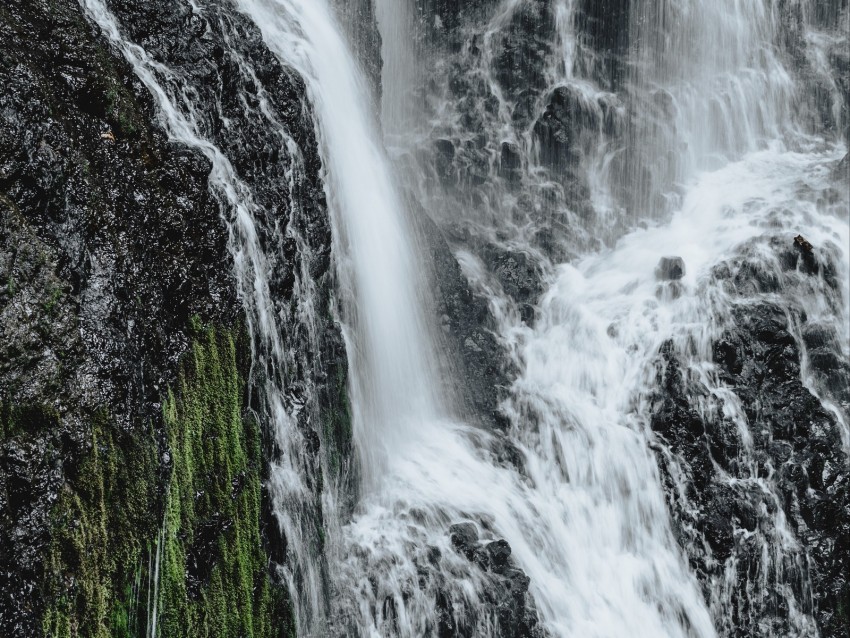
(523, 47)
(510, 162)
(112, 243)
(559, 129)
(506, 596)
(464, 538)
(795, 444)
(494, 556)
(605, 25)
(467, 330)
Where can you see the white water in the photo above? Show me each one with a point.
(589, 526)
(394, 374)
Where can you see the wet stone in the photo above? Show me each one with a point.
(670, 269)
(464, 538)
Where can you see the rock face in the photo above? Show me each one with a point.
(741, 495)
(100, 279)
(114, 257)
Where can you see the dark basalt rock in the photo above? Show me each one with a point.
(110, 242)
(467, 331)
(568, 116)
(603, 26)
(464, 538)
(112, 247)
(523, 47)
(510, 162)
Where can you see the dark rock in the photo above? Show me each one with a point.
(670, 269)
(523, 46)
(505, 598)
(795, 444)
(510, 162)
(559, 130)
(467, 332)
(112, 246)
(464, 538)
(604, 26)
(444, 153)
(359, 20)
(494, 556)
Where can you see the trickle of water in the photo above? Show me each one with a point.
(181, 115)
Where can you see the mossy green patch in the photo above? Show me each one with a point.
(24, 420)
(199, 514)
(215, 579)
(101, 523)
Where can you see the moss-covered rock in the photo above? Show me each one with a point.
(102, 527)
(214, 572)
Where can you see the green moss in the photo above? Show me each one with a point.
(121, 109)
(52, 300)
(118, 510)
(214, 569)
(100, 528)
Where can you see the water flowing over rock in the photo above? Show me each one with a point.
(465, 319)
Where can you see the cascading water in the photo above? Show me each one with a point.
(708, 162)
(434, 472)
(394, 376)
(714, 92)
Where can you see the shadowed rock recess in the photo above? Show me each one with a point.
(168, 469)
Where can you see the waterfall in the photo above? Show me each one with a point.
(394, 375)
(423, 471)
(714, 148)
(700, 155)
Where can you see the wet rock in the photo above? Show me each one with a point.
(444, 154)
(464, 538)
(523, 47)
(510, 162)
(505, 597)
(468, 332)
(670, 269)
(605, 25)
(561, 127)
(795, 444)
(112, 247)
(360, 21)
(517, 273)
(841, 173)
(494, 556)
